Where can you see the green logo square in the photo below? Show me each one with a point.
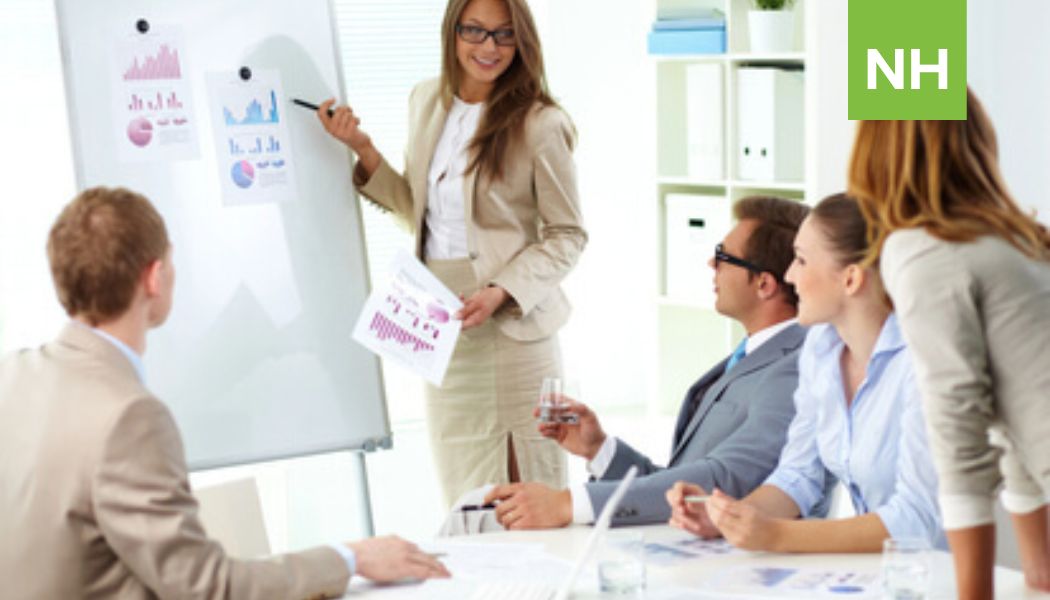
(907, 59)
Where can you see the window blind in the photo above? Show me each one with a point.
(387, 47)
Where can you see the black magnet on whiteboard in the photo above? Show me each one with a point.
(245, 73)
(142, 25)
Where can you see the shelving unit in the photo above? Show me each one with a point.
(691, 335)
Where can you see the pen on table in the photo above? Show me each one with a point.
(470, 507)
(436, 554)
(310, 105)
(697, 499)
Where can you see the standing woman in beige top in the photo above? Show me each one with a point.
(969, 273)
(489, 189)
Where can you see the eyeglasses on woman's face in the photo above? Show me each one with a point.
(477, 35)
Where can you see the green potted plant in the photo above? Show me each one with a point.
(771, 26)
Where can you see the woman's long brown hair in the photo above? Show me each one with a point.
(943, 176)
(517, 90)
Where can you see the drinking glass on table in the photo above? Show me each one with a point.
(554, 395)
(621, 563)
(905, 568)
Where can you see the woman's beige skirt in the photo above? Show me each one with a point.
(486, 399)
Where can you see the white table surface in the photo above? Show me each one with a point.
(567, 544)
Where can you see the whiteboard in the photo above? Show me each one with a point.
(256, 360)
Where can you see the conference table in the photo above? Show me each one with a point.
(691, 575)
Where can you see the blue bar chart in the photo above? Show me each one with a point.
(253, 113)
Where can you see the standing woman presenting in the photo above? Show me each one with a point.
(489, 189)
(969, 273)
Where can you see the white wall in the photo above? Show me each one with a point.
(36, 161)
(1007, 64)
(599, 71)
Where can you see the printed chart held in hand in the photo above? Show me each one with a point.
(409, 320)
(152, 108)
(250, 136)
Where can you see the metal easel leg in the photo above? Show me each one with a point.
(364, 500)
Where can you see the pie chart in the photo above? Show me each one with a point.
(140, 131)
(243, 173)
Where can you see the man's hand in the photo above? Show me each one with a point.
(480, 306)
(531, 506)
(744, 525)
(583, 438)
(391, 558)
(687, 515)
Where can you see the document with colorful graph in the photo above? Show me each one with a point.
(409, 320)
(152, 107)
(252, 147)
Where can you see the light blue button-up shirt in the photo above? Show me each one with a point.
(132, 356)
(876, 446)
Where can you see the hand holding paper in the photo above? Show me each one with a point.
(408, 320)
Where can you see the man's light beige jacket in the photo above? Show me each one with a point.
(94, 496)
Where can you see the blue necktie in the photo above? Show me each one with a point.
(739, 353)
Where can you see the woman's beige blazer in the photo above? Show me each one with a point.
(525, 231)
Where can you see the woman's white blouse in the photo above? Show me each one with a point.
(446, 221)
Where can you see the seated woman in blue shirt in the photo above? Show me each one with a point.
(858, 421)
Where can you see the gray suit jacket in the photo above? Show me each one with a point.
(95, 500)
(732, 441)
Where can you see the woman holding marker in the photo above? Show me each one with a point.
(489, 188)
(969, 272)
(858, 420)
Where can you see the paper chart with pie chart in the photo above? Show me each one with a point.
(409, 320)
(153, 116)
(252, 147)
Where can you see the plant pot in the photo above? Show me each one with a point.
(771, 31)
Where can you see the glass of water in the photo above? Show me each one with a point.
(553, 402)
(905, 568)
(621, 563)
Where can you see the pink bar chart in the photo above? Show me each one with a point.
(163, 65)
(385, 329)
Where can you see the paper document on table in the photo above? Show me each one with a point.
(669, 552)
(408, 319)
(499, 562)
(473, 565)
(797, 582)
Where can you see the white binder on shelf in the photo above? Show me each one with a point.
(770, 124)
(693, 225)
(704, 122)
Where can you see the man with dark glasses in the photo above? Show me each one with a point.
(733, 421)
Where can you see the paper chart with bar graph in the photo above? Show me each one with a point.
(409, 320)
(252, 146)
(152, 106)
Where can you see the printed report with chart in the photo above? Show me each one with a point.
(409, 320)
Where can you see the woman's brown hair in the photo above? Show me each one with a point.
(940, 175)
(518, 89)
(844, 228)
